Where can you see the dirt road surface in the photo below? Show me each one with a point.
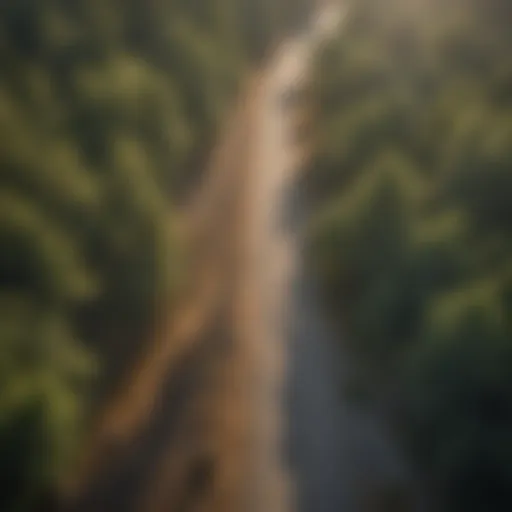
(236, 407)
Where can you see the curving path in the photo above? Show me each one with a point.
(236, 407)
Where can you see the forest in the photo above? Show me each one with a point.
(108, 111)
(411, 236)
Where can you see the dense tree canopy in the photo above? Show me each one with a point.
(412, 235)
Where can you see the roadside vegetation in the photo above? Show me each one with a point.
(411, 235)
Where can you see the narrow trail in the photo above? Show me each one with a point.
(236, 407)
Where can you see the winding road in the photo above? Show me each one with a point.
(237, 406)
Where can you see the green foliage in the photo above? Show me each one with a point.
(459, 396)
(412, 235)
